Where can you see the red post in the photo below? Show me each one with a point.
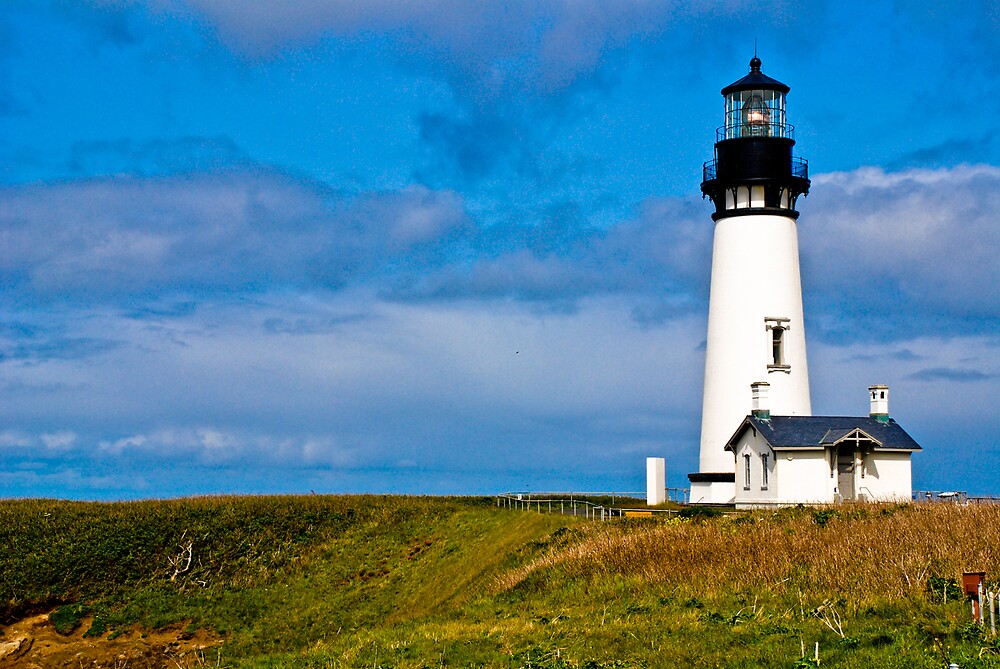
(972, 583)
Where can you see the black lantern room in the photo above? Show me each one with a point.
(754, 171)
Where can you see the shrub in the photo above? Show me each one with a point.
(823, 516)
(67, 617)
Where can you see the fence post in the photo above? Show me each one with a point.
(981, 600)
(993, 622)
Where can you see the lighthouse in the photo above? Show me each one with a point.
(756, 334)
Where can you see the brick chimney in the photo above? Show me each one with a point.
(879, 397)
(761, 406)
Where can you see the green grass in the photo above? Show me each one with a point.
(369, 581)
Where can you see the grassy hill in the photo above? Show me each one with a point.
(365, 581)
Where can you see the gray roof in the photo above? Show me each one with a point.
(823, 431)
(755, 80)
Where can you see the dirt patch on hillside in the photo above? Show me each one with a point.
(33, 643)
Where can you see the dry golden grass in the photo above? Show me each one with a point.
(858, 553)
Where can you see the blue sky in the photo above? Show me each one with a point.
(454, 247)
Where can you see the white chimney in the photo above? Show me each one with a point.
(761, 405)
(879, 396)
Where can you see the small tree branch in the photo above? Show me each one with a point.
(183, 558)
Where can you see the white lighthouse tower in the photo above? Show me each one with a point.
(755, 327)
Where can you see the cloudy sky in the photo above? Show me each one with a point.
(459, 247)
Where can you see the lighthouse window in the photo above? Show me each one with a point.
(763, 471)
(746, 471)
(756, 196)
(755, 113)
(756, 117)
(777, 346)
(776, 355)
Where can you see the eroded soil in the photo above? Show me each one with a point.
(33, 643)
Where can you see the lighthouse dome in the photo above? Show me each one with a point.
(755, 80)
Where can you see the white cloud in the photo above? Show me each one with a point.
(59, 441)
(119, 446)
(915, 249)
(916, 246)
(551, 42)
(105, 239)
(432, 383)
(14, 439)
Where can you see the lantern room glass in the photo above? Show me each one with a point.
(756, 113)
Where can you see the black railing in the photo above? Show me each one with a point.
(708, 170)
(800, 168)
(737, 130)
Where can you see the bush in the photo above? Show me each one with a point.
(943, 589)
(696, 512)
(823, 516)
(67, 617)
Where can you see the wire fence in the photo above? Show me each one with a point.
(604, 505)
(953, 497)
(591, 505)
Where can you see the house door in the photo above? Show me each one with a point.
(845, 472)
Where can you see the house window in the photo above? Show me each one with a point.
(777, 329)
(746, 471)
(763, 471)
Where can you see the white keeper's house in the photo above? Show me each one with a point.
(785, 460)
(760, 443)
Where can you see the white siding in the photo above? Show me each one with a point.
(887, 476)
(805, 477)
(712, 493)
(755, 494)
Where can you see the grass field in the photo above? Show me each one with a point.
(365, 581)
